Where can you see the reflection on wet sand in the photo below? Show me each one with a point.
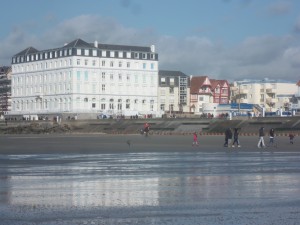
(200, 182)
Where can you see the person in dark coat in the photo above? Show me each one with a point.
(271, 137)
(261, 141)
(236, 138)
(228, 137)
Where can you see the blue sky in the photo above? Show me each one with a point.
(224, 39)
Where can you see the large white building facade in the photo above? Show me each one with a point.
(81, 77)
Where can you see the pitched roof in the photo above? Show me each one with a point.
(171, 73)
(124, 48)
(78, 43)
(214, 83)
(198, 82)
(27, 51)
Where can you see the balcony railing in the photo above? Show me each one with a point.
(270, 90)
(271, 100)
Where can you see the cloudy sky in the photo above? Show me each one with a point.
(223, 39)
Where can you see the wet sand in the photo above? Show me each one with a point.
(101, 179)
(102, 143)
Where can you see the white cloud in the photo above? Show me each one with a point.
(255, 57)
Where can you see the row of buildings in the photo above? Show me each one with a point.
(83, 78)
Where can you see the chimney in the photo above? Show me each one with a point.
(96, 44)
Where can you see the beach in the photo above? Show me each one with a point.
(162, 179)
(107, 143)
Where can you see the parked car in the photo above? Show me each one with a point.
(102, 116)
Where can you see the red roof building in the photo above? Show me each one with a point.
(205, 90)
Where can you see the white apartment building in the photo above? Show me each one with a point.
(273, 95)
(173, 92)
(83, 77)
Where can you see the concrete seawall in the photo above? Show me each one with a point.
(183, 126)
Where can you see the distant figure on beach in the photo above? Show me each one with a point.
(271, 137)
(261, 141)
(195, 139)
(228, 137)
(236, 138)
(146, 128)
(291, 136)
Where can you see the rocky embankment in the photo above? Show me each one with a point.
(282, 125)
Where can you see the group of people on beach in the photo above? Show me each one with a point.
(261, 141)
(229, 135)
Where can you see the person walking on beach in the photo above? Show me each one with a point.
(261, 141)
(236, 138)
(195, 139)
(228, 137)
(271, 137)
(291, 136)
(146, 129)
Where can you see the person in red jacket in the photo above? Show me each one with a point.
(146, 128)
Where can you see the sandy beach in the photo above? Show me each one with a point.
(130, 179)
(103, 143)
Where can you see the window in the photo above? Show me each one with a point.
(119, 104)
(111, 64)
(78, 62)
(86, 52)
(104, 53)
(128, 55)
(127, 103)
(86, 62)
(152, 66)
(103, 75)
(120, 77)
(111, 104)
(162, 107)
(171, 90)
(112, 54)
(172, 81)
(93, 105)
(120, 64)
(163, 80)
(86, 76)
(144, 56)
(94, 62)
(111, 77)
(103, 87)
(120, 54)
(103, 63)
(144, 66)
(94, 52)
(85, 99)
(78, 51)
(128, 64)
(136, 55)
(78, 75)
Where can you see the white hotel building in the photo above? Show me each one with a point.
(81, 77)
